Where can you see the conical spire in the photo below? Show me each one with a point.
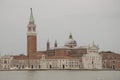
(31, 26)
(31, 17)
(55, 44)
(70, 36)
(48, 44)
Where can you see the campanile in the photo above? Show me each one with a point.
(31, 36)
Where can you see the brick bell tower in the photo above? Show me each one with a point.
(31, 36)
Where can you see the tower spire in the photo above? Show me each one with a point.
(55, 44)
(70, 36)
(31, 17)
(31, 25)
(48, 45)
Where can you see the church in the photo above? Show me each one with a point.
(69, 56)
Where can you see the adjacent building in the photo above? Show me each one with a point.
(110, 60)
(6, 62)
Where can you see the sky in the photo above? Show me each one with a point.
(87, 20)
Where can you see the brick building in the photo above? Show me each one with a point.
(110, 60)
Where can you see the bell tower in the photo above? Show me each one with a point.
(31, 36)
(55, 44)
(48, 45)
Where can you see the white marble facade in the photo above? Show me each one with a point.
(92, 60)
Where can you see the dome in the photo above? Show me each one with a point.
(70, 42)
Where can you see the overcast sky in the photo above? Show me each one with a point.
(87, 20)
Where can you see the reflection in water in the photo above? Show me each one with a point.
(30, 75)
(59, 75)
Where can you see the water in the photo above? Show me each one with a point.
(59, 75)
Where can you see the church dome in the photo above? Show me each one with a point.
(70, 42)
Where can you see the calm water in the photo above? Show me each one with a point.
(59, 75)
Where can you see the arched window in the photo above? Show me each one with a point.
(113, 62)
(50, 66)
(33, 28)
(5, 62)
(29, 28)
(22, 66)
(113, 67)
(17, 66)
(32, 66)
(63, 66)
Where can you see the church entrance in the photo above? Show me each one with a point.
(22, 66)
(32, 66)
(63, 66)
(113, 67)
(50, 66)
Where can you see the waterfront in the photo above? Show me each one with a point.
(59, 75)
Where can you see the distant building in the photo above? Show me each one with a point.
(68, 56)
(6, 62)
(110, 60)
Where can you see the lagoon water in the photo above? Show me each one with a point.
(60, 75)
